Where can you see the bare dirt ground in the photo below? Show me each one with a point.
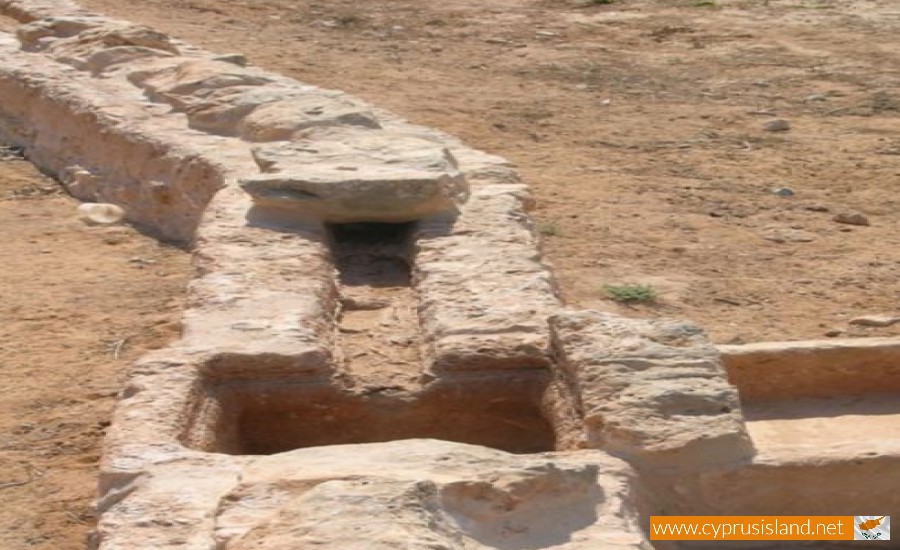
(639, 125)
(77, 304)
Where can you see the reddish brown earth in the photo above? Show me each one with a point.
(639, 125)
(78, 304)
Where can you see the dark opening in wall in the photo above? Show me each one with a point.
(372, 254)
(277, 416)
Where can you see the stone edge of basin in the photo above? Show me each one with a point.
(767, 371)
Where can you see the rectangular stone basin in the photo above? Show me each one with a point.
(273, 416)
(825, 420)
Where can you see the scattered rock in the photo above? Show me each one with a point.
(851, 218)
(834, 332)
(788, 236)
(816, 207)
(875, 320)
(115, 239)
(777, 125)
(783, 192)
(99, 213)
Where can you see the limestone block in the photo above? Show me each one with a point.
(138, 40)
(772, 371)
(110, 58)
(32, 34)
(484, 295)
(650, 390)
(430, 494)
(221, 111)
(170, 507)
(281, 120)
(259, 293)
(185, 84)
(358, 176)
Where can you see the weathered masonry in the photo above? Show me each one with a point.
(374, 355)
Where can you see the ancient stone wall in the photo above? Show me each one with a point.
(374, 354)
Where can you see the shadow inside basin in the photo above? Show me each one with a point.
(260, 418)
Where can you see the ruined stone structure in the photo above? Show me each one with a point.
(374, 355)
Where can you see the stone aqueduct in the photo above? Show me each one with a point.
(374, 355)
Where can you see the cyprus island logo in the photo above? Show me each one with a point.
(871, 527)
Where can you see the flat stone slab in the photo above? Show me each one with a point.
(347, 176)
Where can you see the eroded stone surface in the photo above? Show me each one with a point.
(284, 120)
(358, 176)
(447, 495)
(650, 390)
(484, 293)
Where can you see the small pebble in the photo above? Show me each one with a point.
(100, 213)
(783, 192)
(851, 218)
(115, 239)
(777, 125)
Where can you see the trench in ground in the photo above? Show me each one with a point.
(274, 416)
(378, 327)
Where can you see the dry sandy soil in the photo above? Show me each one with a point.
(78, 304)
(639, 125)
